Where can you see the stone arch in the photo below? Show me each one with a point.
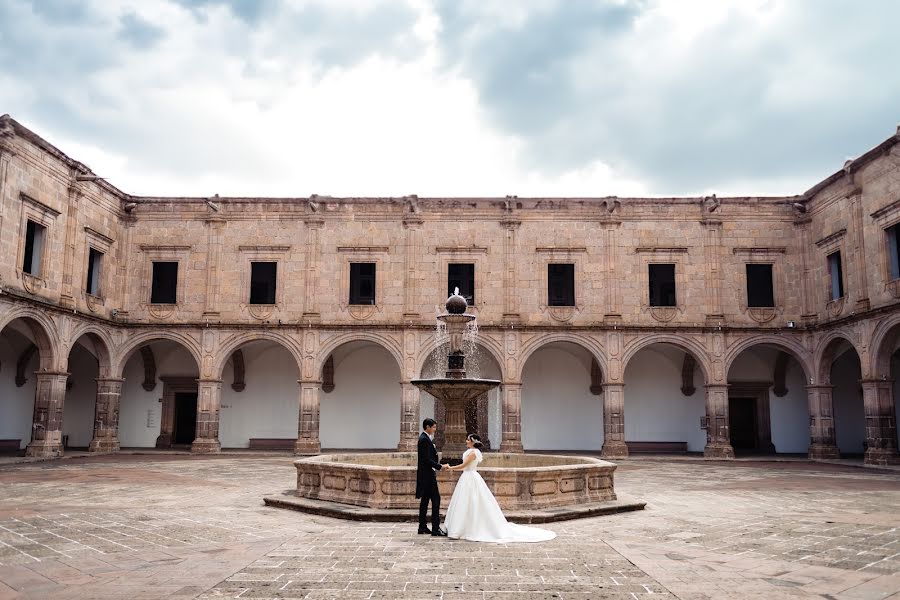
(359, 336)
(102, 343)
(885, 339)
(488, 344)
(590, 344)
(686, 344)
(228, 346)
(825, 354)
(125, 352)
(45, 334)
(792, 347)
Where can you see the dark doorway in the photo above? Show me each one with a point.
(185, 417)
(742, 421)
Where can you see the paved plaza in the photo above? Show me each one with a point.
(170, 526)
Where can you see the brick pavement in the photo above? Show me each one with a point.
(166, 526)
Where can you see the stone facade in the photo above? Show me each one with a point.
(610, 241)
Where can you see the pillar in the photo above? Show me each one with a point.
(308, 425)
(311, 269)
(46, 427)
(106, 416)
(66, 297)
(614, 421)
(718, 434)
(881, 426)
(409, 417)
(512, 418)
(209, 395)
(510, 264)
(214, 251)
(822, 444)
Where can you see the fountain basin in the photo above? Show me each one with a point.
(520, 482)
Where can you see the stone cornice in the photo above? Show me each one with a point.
(370, 249)
(39, 205)
(832, 237)
(885, 209)
(660, 249)
(760, 250)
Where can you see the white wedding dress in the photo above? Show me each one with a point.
(473, 513)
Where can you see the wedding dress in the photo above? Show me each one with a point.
(473, 513)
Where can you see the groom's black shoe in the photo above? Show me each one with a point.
(438, 532)
(424, 530)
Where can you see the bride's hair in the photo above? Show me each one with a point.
(476, 441)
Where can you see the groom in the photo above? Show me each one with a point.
(426, 482)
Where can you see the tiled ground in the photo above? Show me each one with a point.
(163, 526)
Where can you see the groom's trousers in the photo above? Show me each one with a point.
(434, 497)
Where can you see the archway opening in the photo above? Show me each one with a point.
(845, 372)
(561, 409)
(23, 349)
(362, 409)
(665, 400)
(84, 367)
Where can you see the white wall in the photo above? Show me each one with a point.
(789, 415)
(655, 408)
(16, 403)
(558, 410)
(78, 409)
(269, 406)
(363, 411)
(849, 410)
(140, 410)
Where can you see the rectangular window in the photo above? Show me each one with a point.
(893, 250)
(362, 283)
(760, 292)
(462, 276)
(165, 283)
(95, 261)
(34, 248)
(561, 285)
(662, 284)
(836, 274)
(263, 278)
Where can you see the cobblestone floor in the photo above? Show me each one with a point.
(166, 526)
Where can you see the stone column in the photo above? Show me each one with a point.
(611, 284)
(614, 421)
(46, 428)
(822, 443)
(510, 263)
(409, 417)
(718, 433)
(209, 395)
(66, 297)
(881, 426)
(809, 315)
(308, 425)
(712, 245)
(214, 250)
(412, 224)
(311, 269)
(859, 252)
(512, 418)
(106, 416)
(124, 252)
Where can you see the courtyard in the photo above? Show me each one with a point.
(166, 525)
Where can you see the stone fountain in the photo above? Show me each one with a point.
(456, 390)
(533, 488)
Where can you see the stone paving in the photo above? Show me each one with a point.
(168, 526)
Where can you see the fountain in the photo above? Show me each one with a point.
(533, 488)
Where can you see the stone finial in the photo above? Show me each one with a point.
(799, 208)
(412, 202)
(312, 203)
(711, 203)
(611, 204)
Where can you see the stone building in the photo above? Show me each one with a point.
(762, 324)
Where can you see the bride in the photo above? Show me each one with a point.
(473, 513)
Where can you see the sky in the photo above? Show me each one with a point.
(454, 97)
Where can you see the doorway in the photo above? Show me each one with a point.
(185, 418)
(178, 425)
(742, 420)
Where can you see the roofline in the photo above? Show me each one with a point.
(854, 165)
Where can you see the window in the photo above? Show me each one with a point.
(662, 284)
(893, 250)
(836, 274)
(95, 260)
(263, 278)
(165, 283)
(561, 284)
(362, 283)
(34, 248)
(462, 276)
(760, 292)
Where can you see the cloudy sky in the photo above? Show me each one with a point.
(455, 97)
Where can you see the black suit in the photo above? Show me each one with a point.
(426, 482)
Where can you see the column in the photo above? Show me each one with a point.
(124, 252)
(822, 443)
(311, 273)
(712, 243)
(410, 307)
(409, 417)
(66, 297)
(859, 251)
(512, 418)
(510, 296)
(809, 315)
(612, 281)
(881, 428)
(106, 416)
(214, 250)
(209, 394)
(718, 435)
(46, 428)
(308, 425)
(614, 421)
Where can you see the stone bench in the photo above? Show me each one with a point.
(272, 443)
(657, 447)
(10, 445)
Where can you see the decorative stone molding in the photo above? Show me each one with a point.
(163, 253)
(893, 287)
(761, 314)
(835, 307)
(363, 254)
(22, 364)
(663, 314)
(561, 255)
(687, 375)
(251, 254)
(40, 213)
(238, 383)
(149, 383)
(473, 254)
(831, 239)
